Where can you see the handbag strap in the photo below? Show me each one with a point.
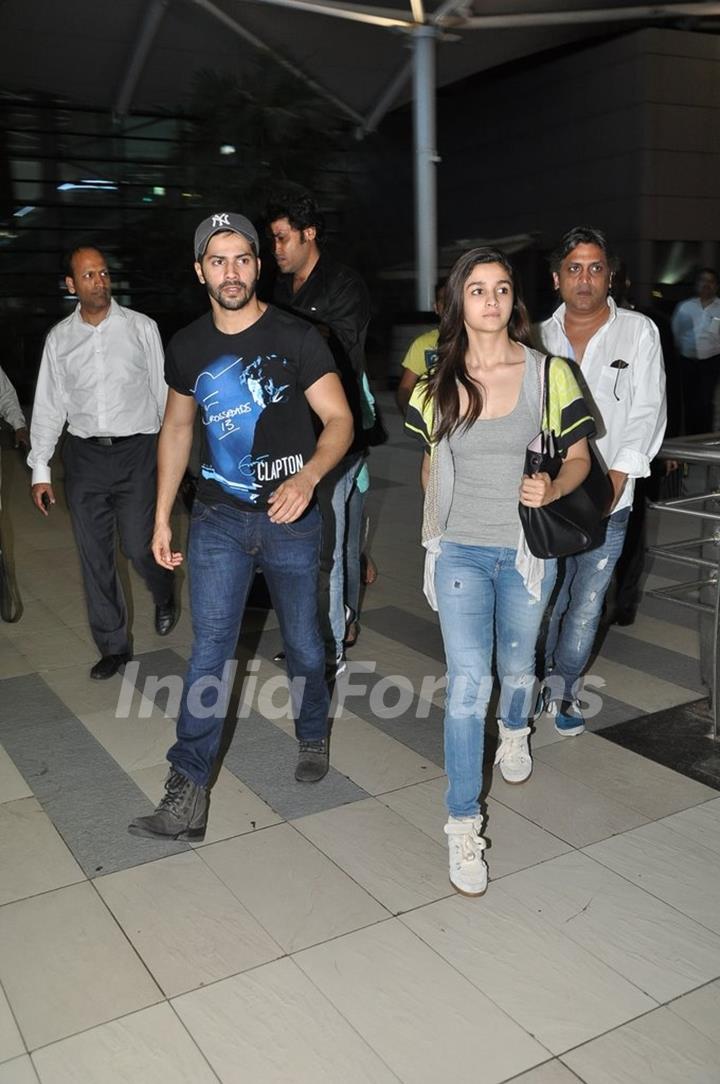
(545, 393)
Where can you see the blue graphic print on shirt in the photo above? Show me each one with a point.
(233, 395)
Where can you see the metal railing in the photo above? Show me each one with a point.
(704, 509)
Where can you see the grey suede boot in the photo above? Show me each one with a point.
(313, 761)
(181, 814)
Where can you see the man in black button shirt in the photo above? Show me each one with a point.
(335, 299)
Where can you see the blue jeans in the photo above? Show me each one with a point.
(482, 599)
(354, 543)
(225, 547)
(578, 607)
(333, 495)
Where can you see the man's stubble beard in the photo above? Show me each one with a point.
(236, 303)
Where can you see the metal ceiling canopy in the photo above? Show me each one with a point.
(145, 52)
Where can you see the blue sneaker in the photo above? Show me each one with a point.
(570, 722)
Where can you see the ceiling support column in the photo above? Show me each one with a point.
(426, 158)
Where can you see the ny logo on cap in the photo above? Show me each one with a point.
(220, 220)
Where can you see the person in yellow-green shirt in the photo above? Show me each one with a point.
(421, 354)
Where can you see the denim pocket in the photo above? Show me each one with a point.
(305, 527)
(199, 511)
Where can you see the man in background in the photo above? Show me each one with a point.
(620, 364)
(421, 354)
(335, 299)
(11, 413)
(696, 327)
(102, 373)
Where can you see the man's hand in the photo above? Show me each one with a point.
(42, 496)
(161, 551)
(21, 439)
(618, 479)
(536, 490)
(290, 499)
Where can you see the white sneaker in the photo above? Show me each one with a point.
(468, 872)
(513, 754)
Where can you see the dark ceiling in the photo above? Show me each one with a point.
(140, 55)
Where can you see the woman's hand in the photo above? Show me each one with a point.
(537, 490)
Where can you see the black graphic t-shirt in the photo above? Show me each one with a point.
(250, 387)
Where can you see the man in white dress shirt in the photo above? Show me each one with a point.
(102, 373)
(11, 412)
(621, 365)
(696, 327)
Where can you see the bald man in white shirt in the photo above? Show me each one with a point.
(11, 412)
(102, 374)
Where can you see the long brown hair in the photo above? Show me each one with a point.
(442, 383)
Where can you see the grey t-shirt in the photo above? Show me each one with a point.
(489, 459)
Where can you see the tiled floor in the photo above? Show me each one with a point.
(314, 936)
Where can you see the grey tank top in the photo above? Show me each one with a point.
(489, 459)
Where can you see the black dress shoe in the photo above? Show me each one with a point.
(166, 617)
(109, 665)
(624, 617)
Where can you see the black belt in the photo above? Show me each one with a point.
(107, 441)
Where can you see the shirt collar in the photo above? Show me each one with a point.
(559, 315)
(114, 310)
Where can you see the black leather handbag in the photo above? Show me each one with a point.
(573, 523)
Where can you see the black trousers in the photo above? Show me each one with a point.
(698, 383)
(110, 490)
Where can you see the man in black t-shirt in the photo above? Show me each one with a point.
(257, 374)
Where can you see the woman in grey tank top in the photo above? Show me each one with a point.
(478, 410)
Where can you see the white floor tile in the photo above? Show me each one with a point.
(552, 1072)
(134, 743)
(565, 807)
(394, 861)
(701, 824)
(671, 866)
(644, 691)
(625, 777)
(544, 733)
(74, 686)
(147, 1047)
(651, 630)
(18, 1071)
(374, 761)
(701, 1009)
(81, 970)
(13, 663)
(660, 950)
(294, 890)
(12, 784)
(48, 651)
(185, 924)
(11, 1044)
(658, 1048)
(554, 988)
(272, 1026)
(234, 808)
(425, 1020)
(33, 857)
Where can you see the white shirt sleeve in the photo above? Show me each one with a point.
(48, 416)
(9, 404)
(644, 427)
(156, 367)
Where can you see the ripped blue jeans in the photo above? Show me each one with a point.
(578, 607)
(482, 601)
